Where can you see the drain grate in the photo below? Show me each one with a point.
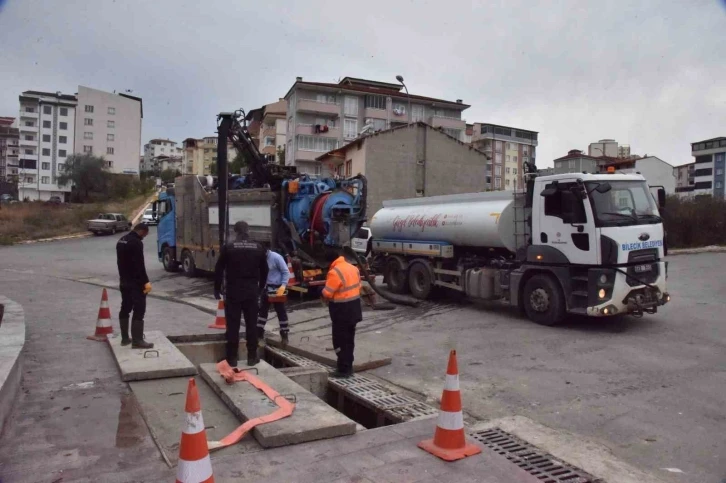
(411, 411)
(531, 459)
(294, 359)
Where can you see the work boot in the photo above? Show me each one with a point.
(260, 337)
(252, 361)
(124, 323)
(137, 336)
(285, 339)
(341, 374)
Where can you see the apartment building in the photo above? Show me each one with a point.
(47, 133)
(273, 129)
(710, 163)
(609, 148)
(577, 162)
(685, 179)
(508, 148)
(199, 154)
(322, 117)
(9, 149)
(109, 125)
(159, 147)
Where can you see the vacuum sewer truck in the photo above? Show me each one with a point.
(589, 244)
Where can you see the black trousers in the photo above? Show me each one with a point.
(344, 321)
(133, 299)
(233, 311)
(279, 309)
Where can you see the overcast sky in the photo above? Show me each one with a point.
(648, 74)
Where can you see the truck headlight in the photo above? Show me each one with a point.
(601, 293)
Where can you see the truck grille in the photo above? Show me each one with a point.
(643, 266)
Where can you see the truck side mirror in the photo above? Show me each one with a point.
(661, 197)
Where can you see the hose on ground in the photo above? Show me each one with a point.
(391, 297)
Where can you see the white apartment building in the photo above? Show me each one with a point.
(109, 125)
(159, 147)
(47, 132)
(322, 117)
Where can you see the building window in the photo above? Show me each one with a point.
(269, 141)
(719, 172)
(108, 164)
(506, 170)
(525, 159)
(417, 113)
(454, 133)
(61, 167)
(498, 170)
(88, 149)
(64, 111)
(28, 179)
(525, 149)
(498, 146)
(47, 110)
(509, 158)
(378, 124)
(514, 159)
(28, 151)
(375, 102)
(29, 109)
(349, 168)
(87, 135)
(497, 183)
(88, 121)
(29, 137)
(325, 98)
(89, 108)
(511, 146)
(350, 106)
(62, 153)
(110, 124)
(63, 126)
(62, 139)
(316, 144)
(30, 123)
(350, 128)
(718, 184)
(112, 110)
(46, 124)
(45, 166)
(110, 137)
(46, 151)
(514, 170)
(109, 150)
(45, 180)
(506, 182)
(498, 158)
(572, 164)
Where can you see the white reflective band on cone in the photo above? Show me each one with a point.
(451, 421)
(104, 304)
(104, 323)
(194, 471)
(195, 423)
(220, 312)
(451, 383)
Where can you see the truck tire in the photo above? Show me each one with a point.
(168, 259)
(395, 275)
(188, 265)
(543, 300)
(420, 281)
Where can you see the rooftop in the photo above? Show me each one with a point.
(506, 127)
(373, 87)
(66, 97)
(576, 154)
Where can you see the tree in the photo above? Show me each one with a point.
(85, 173)
(213, 169)
(168, 175)
(281, 155)
(239, 162)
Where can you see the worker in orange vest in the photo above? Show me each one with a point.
(342, 294)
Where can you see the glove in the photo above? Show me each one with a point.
(280, 291)
(217, 295)
(147, 288)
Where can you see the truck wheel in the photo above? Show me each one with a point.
(396, 276)
(188, 265)
(543, 300)
(169, 260)
(419, 281)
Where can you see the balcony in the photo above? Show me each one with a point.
(377, 113)
(29, 115)
(315, 107)
(309, 129)
(447, 122)
(306, 155)
(31, 144)
(24, 128)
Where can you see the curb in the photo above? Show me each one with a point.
(691, 251)
(12, 335)
(57, 238)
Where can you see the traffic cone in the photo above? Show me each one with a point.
(194, 464)
(103, 324)
(449, 442)
(291, 280)
(220, 322)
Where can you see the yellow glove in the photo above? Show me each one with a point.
(280, 291)
(147, 288)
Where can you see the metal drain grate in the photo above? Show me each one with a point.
(410, 412)
(531, 459)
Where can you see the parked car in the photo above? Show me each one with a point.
(55, 200)
(109, 223)
(7, 198)
(149, 217)
(359, 242)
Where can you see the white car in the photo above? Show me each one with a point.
(359, 242)
(149, 218)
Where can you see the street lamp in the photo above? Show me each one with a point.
(399, 78)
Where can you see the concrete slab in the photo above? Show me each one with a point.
(311, 420)
(164, 360)
(364, 359)
(162, 402)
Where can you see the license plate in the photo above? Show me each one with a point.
(643, 268)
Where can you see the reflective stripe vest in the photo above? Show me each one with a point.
(343, 282)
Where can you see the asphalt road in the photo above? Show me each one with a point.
(650, 389)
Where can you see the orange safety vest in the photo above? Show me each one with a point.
(343, 282)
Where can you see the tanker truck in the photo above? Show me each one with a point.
(297, 215)
(588, 244)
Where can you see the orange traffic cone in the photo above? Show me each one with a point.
(220, 322)
(194, 464)
(103, 324)
(291, 280)
(449, 441)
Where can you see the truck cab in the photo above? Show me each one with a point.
(164, 210)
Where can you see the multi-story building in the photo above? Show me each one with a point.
(685, 179)
(508, 148)
(9, 149)
(47, 132)
(604, 147)
(158, 147)
(273, 128)
(199, 154)
(577, 162)
(710, 163)
(321, 116)
(109, 125)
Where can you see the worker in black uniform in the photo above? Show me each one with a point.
(244, 265)
(134, 285)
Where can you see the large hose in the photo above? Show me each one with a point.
(391, 297)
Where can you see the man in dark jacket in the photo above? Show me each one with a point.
(134, 285)
(243, 266)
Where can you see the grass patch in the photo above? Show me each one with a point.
(37, 220)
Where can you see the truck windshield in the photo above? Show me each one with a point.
(626, 203)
